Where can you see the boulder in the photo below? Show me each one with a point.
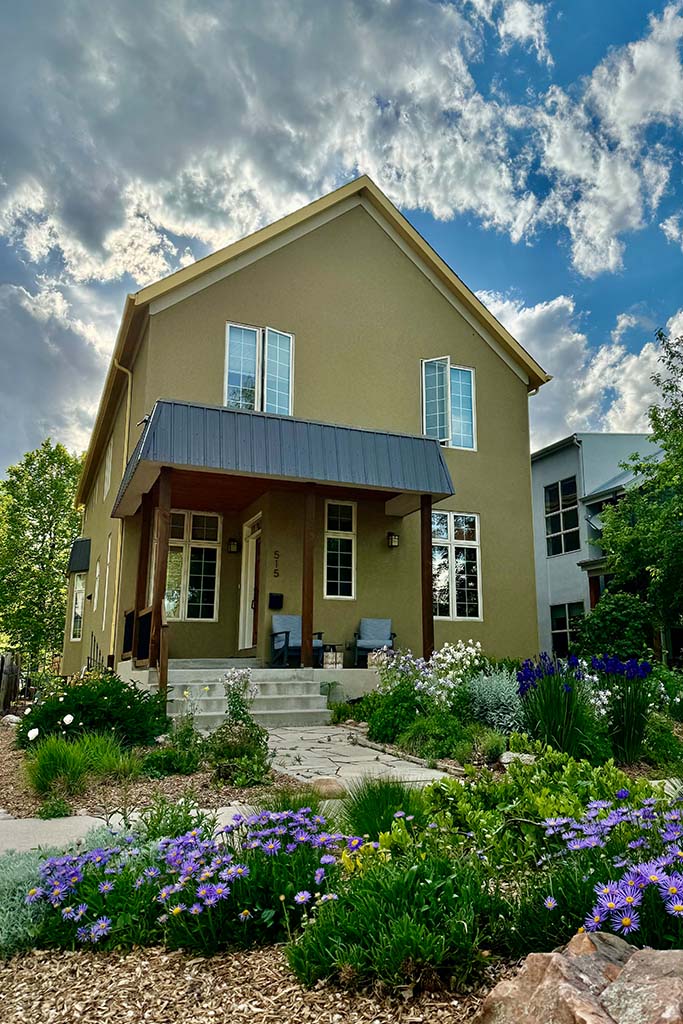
(510, 755)
(328, 789)
(649, 990)
(10, 720)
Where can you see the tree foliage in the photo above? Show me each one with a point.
(643, 532)
(38, 522)
(620, 625)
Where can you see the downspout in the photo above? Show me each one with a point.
(119, 535)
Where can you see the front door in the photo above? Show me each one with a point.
(249, 586)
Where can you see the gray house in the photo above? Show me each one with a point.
(572, 481)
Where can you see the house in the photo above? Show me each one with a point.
(572, 480)
(321, 420)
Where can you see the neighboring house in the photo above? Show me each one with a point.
(277, 421)
(572, 481)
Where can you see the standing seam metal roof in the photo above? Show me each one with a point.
(263, 444)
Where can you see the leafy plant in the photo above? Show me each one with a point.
(166, 817)
(629, 698)
(341, 712)
(54, 807)
(181, 754)
(495, 701)
(661, 747)
(396, 710)
(100, 702)
(670, 681)
(371, 806)
(238, 752)
(435, 736)
(63, 766)
(620, 623)
(556, 704)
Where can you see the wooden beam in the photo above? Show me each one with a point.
(147, 516)
(160, 562)
(426, 575)
(307, 581)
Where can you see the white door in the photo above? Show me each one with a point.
(249, 597)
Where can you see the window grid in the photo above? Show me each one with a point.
(456, 570)
(562, 517)
(340, 550)
(278, 372)
(564, 623)
(193, 567)
(242, 364)
(258, 374)
(78, 605)
(448, 403)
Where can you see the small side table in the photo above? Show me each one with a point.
(333, 655)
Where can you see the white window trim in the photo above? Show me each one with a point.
(346, 534)
(106, 582)
(186, 544)
(108, 457)
(79, 588)
(447, 442)
(562, 532)
(568, 631)
(452, 543)
(261, 363)
(96, 593)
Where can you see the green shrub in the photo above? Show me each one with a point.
(620, 625)
(238, 752)
(63, 766)
(661, 747)
(166, 817)
(54, 807)
(100, 702)
(434, 736)
(495, 700)
(279, 800)
(341, 712)
(371, 805)
(557, 705)
(394, 712)
(19, 922)
(490, 745)
(671, 682)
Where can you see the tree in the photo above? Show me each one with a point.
(643, 533)
(39, 522)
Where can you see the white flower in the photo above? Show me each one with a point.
(28, 711)
(32, 733)
(61, 699)
(68, 719)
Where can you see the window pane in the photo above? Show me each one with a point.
(560, 644)
(278, 372)
(174, 581)
(242, 362)
(201, 584)
(340, 518)
(339, 561)
(441, 589)
(462, 416)
(570, 519)
(568, 488)
(553, 524)
(204, 527)
(571, 541)
(435, 393)
(552, 498)
(79, 600)
(440, 525)
(555, 545)
(465, 528)
(558, 616)
(177, 525)
(466, 583)
(576, 612)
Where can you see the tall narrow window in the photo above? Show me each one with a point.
(96, 595)
(562, 517)
(77, 609)
(456, 570)
(106, 581)
(258, 369)
(448, 403)
(565, 620)
(193, 567)
(340, 550)
(107, 467)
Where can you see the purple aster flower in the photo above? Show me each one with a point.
(622, 794)
(328, 896)
(271, 847)
(354, 842)
(626, 921)
(33, 895)
(319, 875)
(675, 907)
(83, 934)
(594, 920)
(327, 858)
(550, 903)
(69, 913)
(105, 887)
(302, 897)
(101, 928)
(400, 814)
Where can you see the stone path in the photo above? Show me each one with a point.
(306, 753)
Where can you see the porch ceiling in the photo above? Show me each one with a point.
(255, 452)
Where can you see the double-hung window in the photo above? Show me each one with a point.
(565, 620)
(456, 566)
(340, 549)
(448, 403)
(78, 604)
(258, 369)
(562, 517)
(193, 567)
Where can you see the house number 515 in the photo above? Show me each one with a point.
(276, 567)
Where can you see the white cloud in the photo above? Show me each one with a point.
(524, 23)
(674, 324)
(673, 229)
(604, 388)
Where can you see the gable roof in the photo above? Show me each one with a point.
(137, 305)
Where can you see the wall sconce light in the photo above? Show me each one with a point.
(233, 546)
(392, 540)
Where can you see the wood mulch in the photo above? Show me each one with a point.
(103, 798)
(157, 986)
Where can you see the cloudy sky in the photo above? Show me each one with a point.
(537, 146)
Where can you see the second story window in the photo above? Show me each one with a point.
(448, 403)
(258, 369)
(107, 467)
(562, 517)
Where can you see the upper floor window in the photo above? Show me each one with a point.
(562, 517)
(107, 467)
(258, 369)
(448, 403)
(456, 569)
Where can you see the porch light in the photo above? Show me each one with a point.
(392, 540)
(233, 546)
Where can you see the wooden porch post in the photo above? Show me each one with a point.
(143, 566)
(426, 573)
(160, 563)
(307, 581)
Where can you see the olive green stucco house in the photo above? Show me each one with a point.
(318, 420)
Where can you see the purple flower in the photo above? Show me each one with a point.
(400, 814)
(327, 858)
(353, 843)
(675, 907)
(33, 895)
(271, 847)
(105, 887)
(302, 897)
(196, 909)
(626, 921)
(550, 903)
(594, 920)
(101, 928)
(319, 875)
(622, 794)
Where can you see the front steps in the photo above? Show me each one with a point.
(284, 697)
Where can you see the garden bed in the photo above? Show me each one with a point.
(159, 986)
(102, 798)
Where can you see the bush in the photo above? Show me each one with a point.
(63, 766)
(372, 805)
(166, 817)
(54, 807)
(557, 705)
(627, 696)
(435, 736)
(620, 624)
(661, 747)
(100, 702)
(19, 922)
(495, 700)
(396, 710)
(670, 681)
(182, 754)
(238, 753)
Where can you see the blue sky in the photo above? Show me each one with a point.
(535, 145)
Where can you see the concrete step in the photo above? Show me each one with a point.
(259, 706)
(214, 690)
(207, 722)
(211, 664)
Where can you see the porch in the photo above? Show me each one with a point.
(233, 516)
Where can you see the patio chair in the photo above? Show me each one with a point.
(373, 635)
(285, 641)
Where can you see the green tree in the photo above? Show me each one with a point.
(38, 524)
(643, 533)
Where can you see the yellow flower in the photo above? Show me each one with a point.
(186, 693)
